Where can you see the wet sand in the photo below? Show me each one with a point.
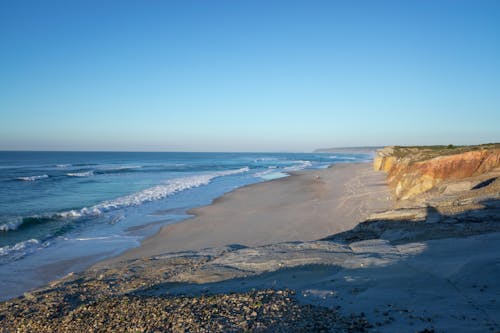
(388, 274)
(307, 206)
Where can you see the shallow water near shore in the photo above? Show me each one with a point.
(63, 211)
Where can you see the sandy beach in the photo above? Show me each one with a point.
(306, 206)
(250, 166)
(326, 250)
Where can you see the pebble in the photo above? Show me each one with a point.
(277, 312)
(132, 298)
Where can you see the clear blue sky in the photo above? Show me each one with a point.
(247, 75)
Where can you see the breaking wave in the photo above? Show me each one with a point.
(158, 192)
(14, 252)
(32, 178)
(13, 224)
(80, 174)
(300, 166)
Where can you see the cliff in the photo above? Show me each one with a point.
(414, 170)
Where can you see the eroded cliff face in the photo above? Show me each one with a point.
(411, 172)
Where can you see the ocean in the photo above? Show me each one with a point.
(67, 210)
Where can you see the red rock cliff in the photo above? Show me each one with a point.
(411, 173)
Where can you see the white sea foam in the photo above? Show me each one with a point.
(11, 225)
(273, 172)
(69, 214)
(270, 174)
(343, 157)
(111, 168)
(82, 239)
(32, 178)
(170, 187)
(63, 165)
(265, 159)
(80, 174)
(17, 251)
(19, 246)
(300, 166)
(158, 192)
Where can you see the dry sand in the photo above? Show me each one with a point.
(306, 206)
(393, 275)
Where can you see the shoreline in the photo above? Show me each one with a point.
(338, 174)
(305, 206)
(401, 268)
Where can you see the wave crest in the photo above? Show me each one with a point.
(11, 225)
(300, 166)
(80, 174)
(15, 252)
(32, 178)
(159, 192)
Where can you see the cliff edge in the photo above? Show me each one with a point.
(415, 170)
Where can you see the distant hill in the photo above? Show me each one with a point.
(349, 150)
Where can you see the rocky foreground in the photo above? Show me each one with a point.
(255, 311)
(431, 264)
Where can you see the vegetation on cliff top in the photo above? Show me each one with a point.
(421, 153)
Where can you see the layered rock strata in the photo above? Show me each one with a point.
(415, 170)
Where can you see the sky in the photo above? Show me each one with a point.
(243, 75)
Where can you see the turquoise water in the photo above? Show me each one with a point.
(60, 206)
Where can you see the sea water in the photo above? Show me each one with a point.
(63, 211)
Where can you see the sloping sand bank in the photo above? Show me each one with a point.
(428, 267)
(306, 206)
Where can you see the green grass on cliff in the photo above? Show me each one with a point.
(420, 153)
